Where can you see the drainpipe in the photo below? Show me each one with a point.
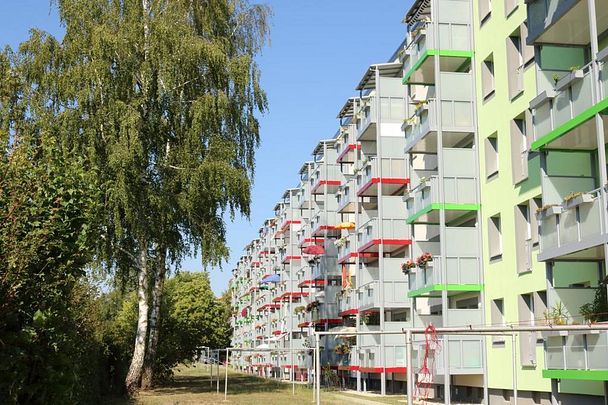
(380, 229)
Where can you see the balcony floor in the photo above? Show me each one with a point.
(435, 290)
(594, 375)
(430, 214)
(423, 71)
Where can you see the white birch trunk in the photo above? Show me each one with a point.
(139, 349)
(157, 293)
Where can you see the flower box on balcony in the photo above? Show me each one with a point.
(568, 79)
(548, 211)
(576, 199)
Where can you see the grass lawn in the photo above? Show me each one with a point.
(191, 386)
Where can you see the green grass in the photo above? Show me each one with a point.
(191, 385)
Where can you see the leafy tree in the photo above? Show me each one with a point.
(159, 97)
(192, 317)
(48, 336)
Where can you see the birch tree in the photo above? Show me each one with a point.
(162, 98)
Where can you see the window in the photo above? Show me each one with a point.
(515, 71)
(485, 10)
(510, 6)
(519, 56)
(531, 308)
(495, 237)
(526, 234)
(521, 134)
(523, 238)
(487, 77)
(498, 318)
(491, 156)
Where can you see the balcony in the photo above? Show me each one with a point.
(394, 297)
(465, 356)
(463, 276)
(456, 317)
(395, 235)
(563, 22)
(346, 198)
(574, 228)
(576, 355)
(349, 361)
(324, 224)
(326, 313)
(346, 249)
(325, 266)
(555, 111)
(327, 178)
(305, 278)
(370, 352)
(303, 197)
(290, 254)
(457, 123)
(392, 111)
(392, 181)
(454, 46)
(460, 198)
(346, 147)
(462, 264)
(347, 303)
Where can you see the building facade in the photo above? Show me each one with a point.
(465, 186)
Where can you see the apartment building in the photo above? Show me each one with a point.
(465, 185)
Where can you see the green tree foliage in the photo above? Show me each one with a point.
(191, 317)
(47, 206)
(125, 144)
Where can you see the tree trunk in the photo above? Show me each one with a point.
(139, 350)
(147, 379)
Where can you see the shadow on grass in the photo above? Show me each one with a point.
(237, 384)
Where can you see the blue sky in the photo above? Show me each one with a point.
(319, 50)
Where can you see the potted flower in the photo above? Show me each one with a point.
(407, 266)
(423, 259)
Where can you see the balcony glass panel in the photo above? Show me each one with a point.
(604, 79)
(570, 100)
(393, 229)
(575, 353)
(573, 224)
(597, 347)
(452, 36)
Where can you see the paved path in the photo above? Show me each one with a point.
(358, 400)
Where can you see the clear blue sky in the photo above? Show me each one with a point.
(319, 50)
